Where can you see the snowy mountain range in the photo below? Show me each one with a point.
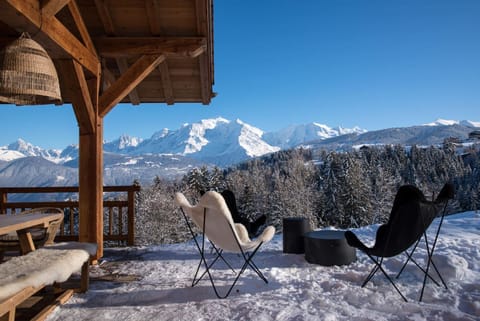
(221, 142)
(218, 141)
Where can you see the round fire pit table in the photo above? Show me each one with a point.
(328, 247)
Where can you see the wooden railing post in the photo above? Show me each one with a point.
(3, 202)
(131, 218)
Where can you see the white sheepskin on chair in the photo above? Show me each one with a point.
(218, 223)
(41, 267)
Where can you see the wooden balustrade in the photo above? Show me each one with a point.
(118, 210)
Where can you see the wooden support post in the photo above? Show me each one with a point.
(91, 187)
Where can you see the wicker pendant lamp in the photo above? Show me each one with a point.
(27, 74)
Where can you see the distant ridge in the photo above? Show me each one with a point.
(425, 135)
(444, 122)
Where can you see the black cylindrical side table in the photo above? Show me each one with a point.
(293, 230)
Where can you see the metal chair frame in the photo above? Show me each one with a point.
(247, 256)
(379, 260)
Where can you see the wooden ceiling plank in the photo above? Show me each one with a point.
(82, 28)
(52, 7)
(104, 14)
(123, 67)
(129, 80)
(169, 46)
(152, 8)
(57, 32)
(107, 77)
(78, 89)
(109, 28)
(166, 83)
(203, 62)
(201, 17)
(202, 29)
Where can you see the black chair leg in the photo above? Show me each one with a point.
(371, 274)
(409, 257)
(248, 262)
(430, 254)
(378, 266)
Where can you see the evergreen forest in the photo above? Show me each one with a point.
(331, 189)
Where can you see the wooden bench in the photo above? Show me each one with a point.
(23, 276)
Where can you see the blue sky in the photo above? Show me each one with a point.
(367, 63)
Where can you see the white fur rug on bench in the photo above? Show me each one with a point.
(44, 266)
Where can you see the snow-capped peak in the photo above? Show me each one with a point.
(445, 122)
(126, 141)
(196, 138)
(122, 145)
(324, 131)
(354, 130)
(250, 140)
(23, 149)
(255, 130)
(213, 122)
(160, 134)
(442, 122)
(9, 155)
(470, 123)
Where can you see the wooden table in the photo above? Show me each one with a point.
(21, 224)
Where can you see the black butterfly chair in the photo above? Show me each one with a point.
(252, 227)
(409, 220)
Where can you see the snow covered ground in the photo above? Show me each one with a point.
(154, 284)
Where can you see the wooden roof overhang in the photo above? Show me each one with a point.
(116, 51)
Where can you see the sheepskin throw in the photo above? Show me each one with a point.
(44, 266)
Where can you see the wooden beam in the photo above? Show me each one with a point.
(107, 77)
(78, 90)
(129, 80)
(82, 28)
(104, 15)
(122, 64)
(169, 46)
(123, 67)
(52, 7)
(166, 83)
(94, 88)
(109, 28)
(56, 31)
(90, 184)
(152, 8)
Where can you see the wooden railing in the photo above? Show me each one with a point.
(118, 210)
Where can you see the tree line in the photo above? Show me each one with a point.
(340, 189)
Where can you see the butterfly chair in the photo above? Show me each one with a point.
(212, 217)
(251, 226)
(409, 220)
